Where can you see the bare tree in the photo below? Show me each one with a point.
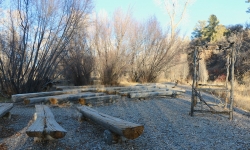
(154, 53)
(35, 41)
(78, 64)
(110, 42)
(176, 10)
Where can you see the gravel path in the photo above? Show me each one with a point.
(167, 125)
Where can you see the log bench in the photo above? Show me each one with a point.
(115, 127)
(57, 98)
(127, 93)
(150, 94)
(98, 100)
(21, 97)
(45, 126)
(4, 109)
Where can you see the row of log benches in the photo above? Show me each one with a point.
(45, 126)
(93, 94)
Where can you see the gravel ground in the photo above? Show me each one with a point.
(167, 125)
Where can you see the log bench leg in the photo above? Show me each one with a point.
(115, 129)
(7, 115)
(45, 126)
(81, 118)
(111, 138)
(5, 110)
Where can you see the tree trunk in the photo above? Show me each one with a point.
(118, 126)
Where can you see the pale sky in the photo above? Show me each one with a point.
(229, 12)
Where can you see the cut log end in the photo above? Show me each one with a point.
(82, 101)
(46, 138)
(34, 134)
(133, 133)
(26, 101)
(57, 134)
(53, 101)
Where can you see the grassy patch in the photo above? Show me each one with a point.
(241, 95)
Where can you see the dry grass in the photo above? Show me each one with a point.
(126, 83)
(4, 100)
(241, 95)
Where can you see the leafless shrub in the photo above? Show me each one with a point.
(155, 53)
(34, 37)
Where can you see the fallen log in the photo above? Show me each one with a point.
(57, 98)
(5, 108)
(98, 100)
(156, 85)
(45, 127)
(116, 126)
(78, 87)
(126, 93)
(21, 97)
(150, 94)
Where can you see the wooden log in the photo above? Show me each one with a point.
(78, 87)
(98, 99)
(115, 90)
(156, 85)
(122, 93)
(45, 126)
(118, 126)
(5, 108)
(141, 88)
(150, 94)
(57, 98)
(21, 97)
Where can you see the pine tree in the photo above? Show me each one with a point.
(210, 29)
(197, 33)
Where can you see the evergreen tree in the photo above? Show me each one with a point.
(210, 29)
(198, 29)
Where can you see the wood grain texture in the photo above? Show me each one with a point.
(45, 124)
(126, 93)
(21, 97)
(150, 94)
(57, 98)
(121, 127)
(98, 99)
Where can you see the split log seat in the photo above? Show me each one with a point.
(4, 109)
(45, 126)
(21, 97)
(126, 93)
(115, 127)
(98, 100)
(57, 98)
(79, 87)
(150, 94)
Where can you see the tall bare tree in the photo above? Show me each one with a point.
(176, 10)
(110, 43)
(154, 52)
(35, 40)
